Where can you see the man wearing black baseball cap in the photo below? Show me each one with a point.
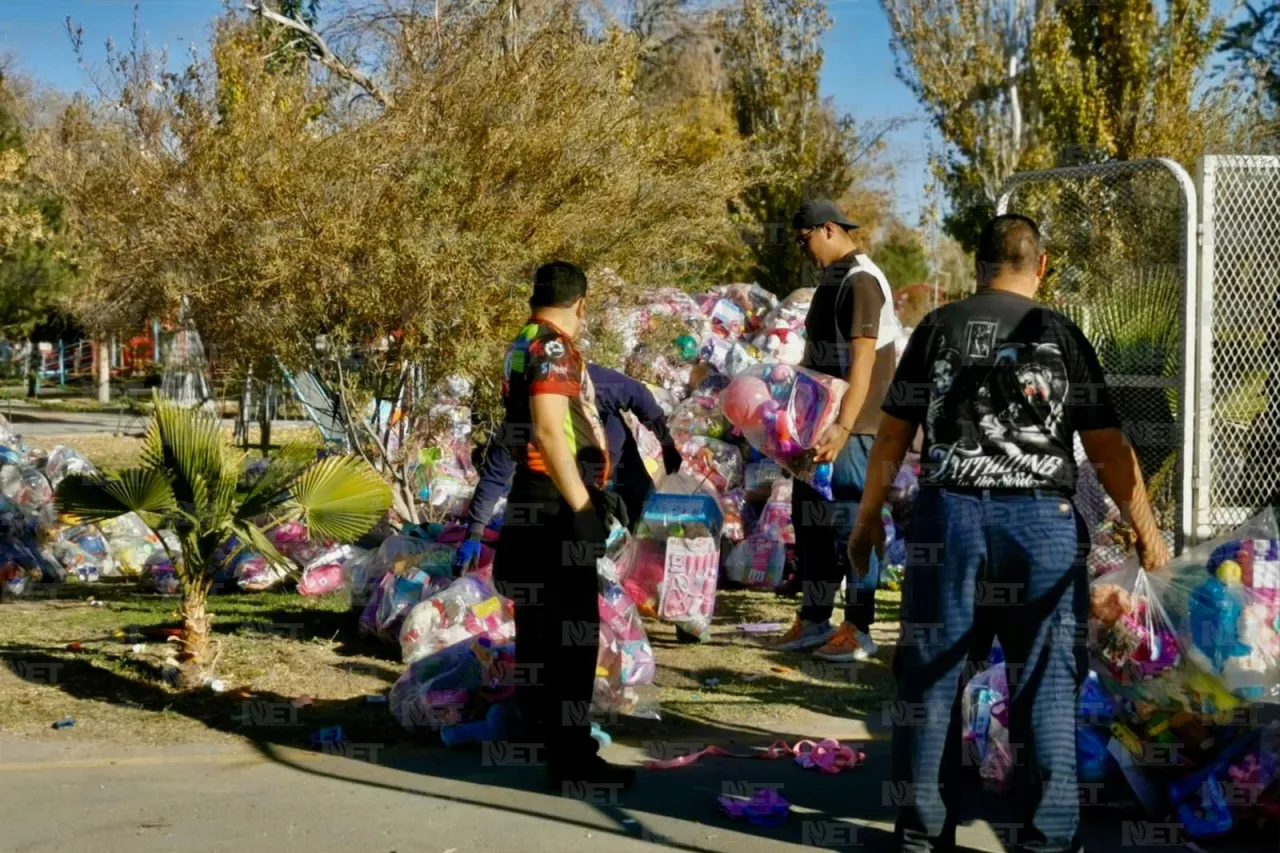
(851, 331)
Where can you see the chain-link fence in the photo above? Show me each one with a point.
(1238, 419)
(1121, 241)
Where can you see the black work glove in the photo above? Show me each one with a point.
(609, 505)
(588, 534)
(671, 458)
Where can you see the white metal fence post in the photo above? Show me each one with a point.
(1238, 359)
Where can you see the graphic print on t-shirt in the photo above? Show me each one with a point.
(1000, 384)
(1009, 438)
(981, 336)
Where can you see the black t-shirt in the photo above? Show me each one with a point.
(1001, 384)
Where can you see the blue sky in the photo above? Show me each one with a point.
(858, 72)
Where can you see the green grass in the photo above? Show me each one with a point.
(275, 648)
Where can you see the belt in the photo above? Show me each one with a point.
(1000, 494)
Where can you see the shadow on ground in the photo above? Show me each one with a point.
(850, 810)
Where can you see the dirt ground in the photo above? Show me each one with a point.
(94, 653)
(91, 652)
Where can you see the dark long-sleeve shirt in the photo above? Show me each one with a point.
(615, 393)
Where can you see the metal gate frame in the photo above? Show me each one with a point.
(1188, 400)
(1211, 519)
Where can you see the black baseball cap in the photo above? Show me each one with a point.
(818, 212)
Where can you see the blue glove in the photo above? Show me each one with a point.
(468, 554)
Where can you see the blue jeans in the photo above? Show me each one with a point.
(978, 565)
(822, 536)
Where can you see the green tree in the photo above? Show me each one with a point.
(35, 268)
(1253, 44)
(188, 482)
(369, 239)
(1030, 85)
(772, 56)
(902, 258)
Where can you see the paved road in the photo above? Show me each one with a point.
(32, 421)
(75, 795)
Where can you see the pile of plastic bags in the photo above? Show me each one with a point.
(459, 644)
(1184, 662)
(38, 547)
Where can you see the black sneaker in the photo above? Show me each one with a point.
(590, 779)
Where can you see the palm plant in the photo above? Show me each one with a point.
(189, 482)
(1136, 327)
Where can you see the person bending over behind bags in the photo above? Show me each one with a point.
(555, 528)
(1001, 384)
(616, 393)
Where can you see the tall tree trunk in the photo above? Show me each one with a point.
(264, 417)
(195, 666)
(33, 369)
(102, 357)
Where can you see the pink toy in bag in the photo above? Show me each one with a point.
(689, 588)
(322, 579)
(783, 411)
(759, 562)
(640, 572)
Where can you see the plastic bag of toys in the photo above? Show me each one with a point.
(737, 514)
(791, 311)
(671, 567)
(64, 461)
(625, 666)
(1227, 609)
(466, 608)
(94, 545)
(30, 491)
(718, 464)
(698, 416)
(761, 559)
(730, 357)
(756, 303)
(1131, 634)
(985, 716)
(458, 684)
(783, 411)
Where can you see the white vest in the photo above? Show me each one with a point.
(891, 332)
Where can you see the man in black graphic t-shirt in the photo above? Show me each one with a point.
(1001, 385)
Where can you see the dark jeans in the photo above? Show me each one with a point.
(977, 565)
(552, 580)
(822, 536)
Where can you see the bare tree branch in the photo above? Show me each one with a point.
(324, 55)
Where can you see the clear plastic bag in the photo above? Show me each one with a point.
(1224, 600)
(455, 685)
(791, 311)
(468, 607)
(985, 715)
(783, 412)
(625, 667)
(718, 464)
(1131, 633)
(737, 515)
(699, 415)
(63, 461)
(91, 541)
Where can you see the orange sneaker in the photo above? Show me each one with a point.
(844, 647)
(804, 635)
